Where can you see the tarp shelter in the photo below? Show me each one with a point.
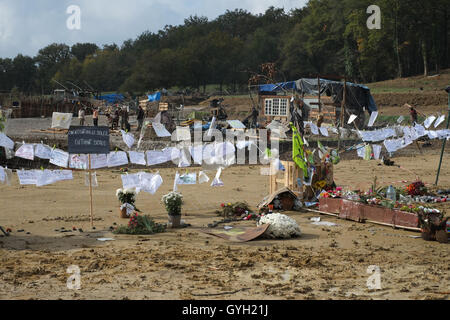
(112, 98)
(358, 96)
(154, 97)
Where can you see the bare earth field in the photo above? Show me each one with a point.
(326, 263)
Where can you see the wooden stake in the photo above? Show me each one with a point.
(90, 191)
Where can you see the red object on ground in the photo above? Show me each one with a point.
(359, 212)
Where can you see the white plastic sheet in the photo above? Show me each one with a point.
(128, 138)
(26, 151)
(59, 158)
(116, 159)
(6, 142)
(42, 151)
(137, 158)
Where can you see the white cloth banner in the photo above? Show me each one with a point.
(361, 152)
(99, 161)
(27, 177)
(59, 158)
(156, 157)
(217, 182)
(197, 154)
(94, 181)
(429, 121)
(324, 131)
(128, 138)
(116, 159)
(61, 120)
(352, 118)
(6, 142)
(160, 130)
(185, 159)
(44, 178)
(131, 181)
(211, 127)
(26, 151)
(314, 128)
(42, 151)
(439, 121)
(187, 179)
(150, 183)
(2, 174)
(78, 161)
(137, 158)
(202, 177)
(396, 144)
(376, 151)
(373, 118)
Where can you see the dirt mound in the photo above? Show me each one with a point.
(414, 99)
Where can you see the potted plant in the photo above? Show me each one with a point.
(173, 202)
(127, 199)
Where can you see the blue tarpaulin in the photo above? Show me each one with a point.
(154, 97)
(112, 98)
(278, 87)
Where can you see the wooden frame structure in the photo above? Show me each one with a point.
(289, 179)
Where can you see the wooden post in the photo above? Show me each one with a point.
(90, 191)
(320, 105)
(344, 101)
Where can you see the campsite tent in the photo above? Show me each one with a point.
(358, 96)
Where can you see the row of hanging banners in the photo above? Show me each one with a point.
(89, 150)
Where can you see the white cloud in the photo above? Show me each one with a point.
(27, 26)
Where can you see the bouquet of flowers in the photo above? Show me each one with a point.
(140, 224)
(173, 202)
(417, 189)
(234, 209)
(126, 196)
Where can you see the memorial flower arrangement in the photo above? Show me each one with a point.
(417, 189)
(126, 196)
(234, 209)
(140, 225)
(173, 202)
(281, 226)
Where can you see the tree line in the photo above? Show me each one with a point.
(325, 37)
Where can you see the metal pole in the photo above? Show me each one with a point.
(445, 140)
(90, 192)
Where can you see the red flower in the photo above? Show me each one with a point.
(223, 205)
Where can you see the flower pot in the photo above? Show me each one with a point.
(123, 213)
(175, 221)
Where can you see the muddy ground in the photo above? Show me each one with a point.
(325, 263)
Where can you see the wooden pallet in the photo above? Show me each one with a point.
(289, 179)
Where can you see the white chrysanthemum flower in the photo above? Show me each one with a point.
(129, 191)
(281, 226)
(118, 192)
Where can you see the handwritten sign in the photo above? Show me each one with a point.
(43, 151)
(59, 158)
(88, 140)
(26, 151)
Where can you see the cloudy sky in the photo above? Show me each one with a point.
(29, 25)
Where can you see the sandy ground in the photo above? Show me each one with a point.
(325, 263)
